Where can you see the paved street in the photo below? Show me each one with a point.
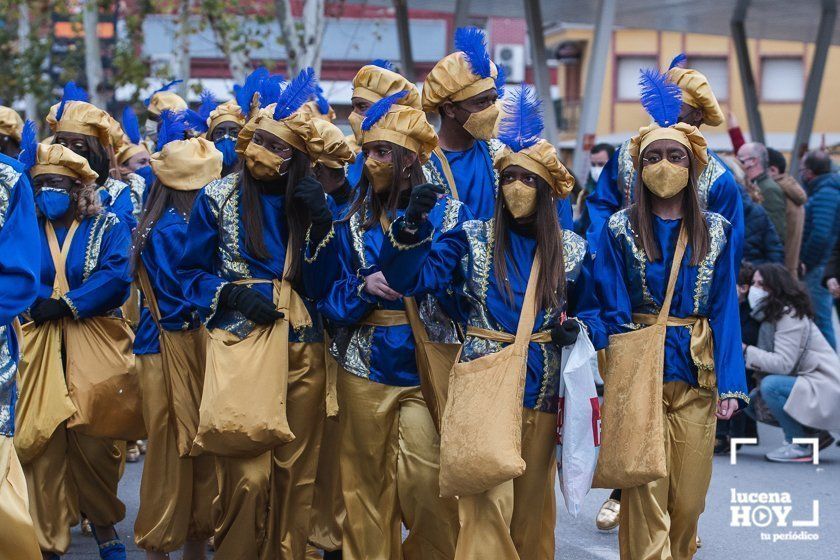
(579, 540)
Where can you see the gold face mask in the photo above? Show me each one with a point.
(380, 174)
(263, 164)
(482, 125)
(665, 179)
(355, 120)
(521, 200)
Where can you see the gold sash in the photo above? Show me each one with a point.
(702, 344)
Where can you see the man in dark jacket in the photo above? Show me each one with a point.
(822, 228)
(761, 242)
(832, 275)
(753, 158)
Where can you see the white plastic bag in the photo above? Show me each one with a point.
(579, 418)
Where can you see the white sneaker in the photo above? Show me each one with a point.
(791, 453)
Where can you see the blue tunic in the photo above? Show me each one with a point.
(161, 255)
(19, 270)
(97, 265)
(716, 187)
(629, 283)
(463, 260)
(216, 254)
(116, 198)
(381, 354)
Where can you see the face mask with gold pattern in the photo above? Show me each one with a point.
(520, 199)
(665, 179)
(263, 164)
(380, 174)
(482, 124)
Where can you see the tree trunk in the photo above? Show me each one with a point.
(93, 53)
(182, 54)
(24, 32)
(238, 60)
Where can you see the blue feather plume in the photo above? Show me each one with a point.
(28, 145)
(194, 121)
(661, 98)
(71, 92)
(679, 60)
(380, 109)
(208, 103)
(501, 78)
(383, 63)
(522, 122)
(166, 87)
(321, 101)
(244, 94)
(172, 127)
(473, 43)
(271, 88)
(295, 94)
(130, 125)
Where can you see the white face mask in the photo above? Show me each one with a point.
(595, 172)
(756, 297)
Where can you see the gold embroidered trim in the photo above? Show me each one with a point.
(71, 305)
(735, 395)
(403, 247)
(327, 238)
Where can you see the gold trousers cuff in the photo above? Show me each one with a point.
(328, 511)
(17, 532)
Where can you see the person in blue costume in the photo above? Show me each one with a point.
(11, 127)
(175, 492)
(463, 89)
(717, 188)
(19, 277)
(240, 229)
(133, 160)
(162, 99)
(704, 374)
(92, 133)
(75, 472)
(389, 449)
(373, 81)
(330, 170)
(487, 263)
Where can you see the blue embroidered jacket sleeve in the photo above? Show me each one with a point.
(201, 285)
(123, 207)
(20, 250)
(345, 302)
(583, 303)
(725, 199)
(603, 202)
(108, 285)
(321, 265)
(726, 326)
(564, 212)
(161, 255)
(611, 283)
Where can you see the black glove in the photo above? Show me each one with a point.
(423, 199)
(565, 334)
(250, 303)
(310, 194)
(49, 310)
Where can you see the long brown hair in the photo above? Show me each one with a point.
(297, 218)
(641, 217)
(784, 294)
(368, 199)
(160, 199)
(551, 285)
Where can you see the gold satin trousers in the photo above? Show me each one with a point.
(328, 511)
(176, 492)
(18, 540)
(507, 521)
(390, 466)
(658, 521)
(263, 507)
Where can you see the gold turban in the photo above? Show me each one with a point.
(697, 92)
(10, 123)
(59, 160)
(686, 134)
(311, 108)
(129, 150)
(166, 101)
(296, 130)
(187, 165)
(81, 117)
(453, 79)
(336, 150)
(541, 158)
(228, 111)
(406, 127)
(373, 83)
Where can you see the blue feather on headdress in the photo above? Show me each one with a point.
(501, 77)
(321, 101)
(473, 43)
(295, 94)
(166, 87)
(244, 94)
(28, 145)
(172, 127)
(383, 63)
(208, 103)
(194, 121)
(71, 92)
(380, 109)
(522, 122)
(271, 88)
(679, 60)
(130, 125)
(661, 98)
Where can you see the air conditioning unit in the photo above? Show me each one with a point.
(512, 58)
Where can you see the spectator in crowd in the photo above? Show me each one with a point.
(795, 199)
(802, 388)
(821, 230)
(832, 275)
(753, 159)
(599, 156)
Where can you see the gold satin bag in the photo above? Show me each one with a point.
(43, 403)
(632, 437)
(481, 429)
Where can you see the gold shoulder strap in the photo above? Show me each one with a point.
(528, 314)
(59, 256)
(679, 252)
(447, 172)
(148, 292)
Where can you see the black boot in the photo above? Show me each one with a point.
(332, 554)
